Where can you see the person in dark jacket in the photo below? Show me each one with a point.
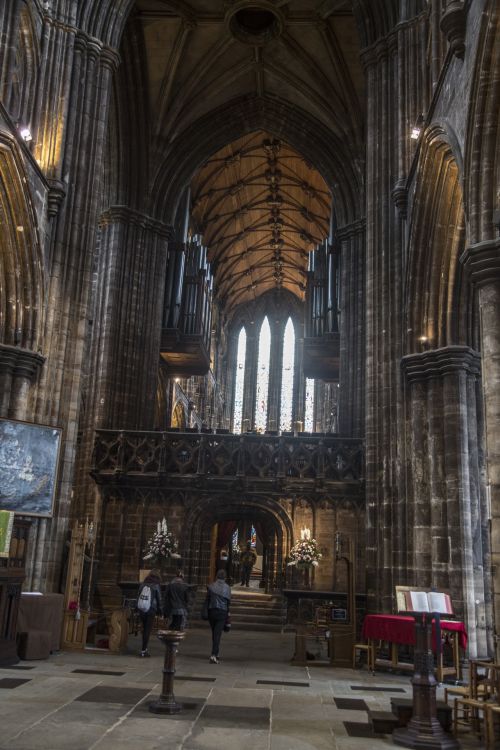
(219, 598)
(152, 580)
(247, 561)
(177, 602)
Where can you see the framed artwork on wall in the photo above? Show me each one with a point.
(29, 458)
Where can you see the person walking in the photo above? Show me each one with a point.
(219, 598)
(248, 560)
(177, 602)
(148, 605)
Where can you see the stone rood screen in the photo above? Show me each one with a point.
(120, 455)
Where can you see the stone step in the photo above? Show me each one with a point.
(272, 620)
(383, 722)
(251, 611)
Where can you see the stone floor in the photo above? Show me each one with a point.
(253, 699)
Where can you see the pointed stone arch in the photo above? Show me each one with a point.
(325, 150)
(21, 259)
(438, 308)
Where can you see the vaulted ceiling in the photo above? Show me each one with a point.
(202, 53)
(258, 203)
(260, 208)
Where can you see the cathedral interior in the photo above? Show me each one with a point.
(250, 278)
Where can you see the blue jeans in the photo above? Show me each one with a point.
(217, 619)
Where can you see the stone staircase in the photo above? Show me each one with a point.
(251, 609)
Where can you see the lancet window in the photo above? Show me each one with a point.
(240, 381)
(287, 378)
(263, 366)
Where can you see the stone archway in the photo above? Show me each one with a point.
(207, 511)
(445, 495)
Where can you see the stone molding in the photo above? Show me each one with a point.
(98, 50)
(482, 262)
(20, 362)
(453, 26)
(435, 363)
(56, 195)
(126, 215)
(399, 195)
(350, 230)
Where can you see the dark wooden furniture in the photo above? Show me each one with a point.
(398, 629)
(12, 575)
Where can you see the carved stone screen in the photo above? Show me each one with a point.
(29, 455)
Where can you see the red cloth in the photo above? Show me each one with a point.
(400, 629)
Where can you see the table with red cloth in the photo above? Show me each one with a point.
(400, 630)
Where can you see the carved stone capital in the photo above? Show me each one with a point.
(56, 196)
(400, 197)
(350, 230)
(126, 215)
(482, 262)
(20, 362)
(436, 363)
(453, 26)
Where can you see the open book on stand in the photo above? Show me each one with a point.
(428, 601)
(418, 600)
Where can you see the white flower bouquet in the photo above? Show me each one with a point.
(305, 553)
(162, 545)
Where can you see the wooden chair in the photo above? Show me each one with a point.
(477, 686)
(370, 655)
(492, 707)
(483, 692)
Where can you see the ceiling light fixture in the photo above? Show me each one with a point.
(26, 134)
(417, 128)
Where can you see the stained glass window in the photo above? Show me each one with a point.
(263, 376)
(253, 536)
(309, 413)
(286, 408)
(240, 381)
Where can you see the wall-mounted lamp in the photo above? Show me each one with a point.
(417, 128)
(26, 134)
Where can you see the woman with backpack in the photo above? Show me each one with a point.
(218, 600)
(148, 606)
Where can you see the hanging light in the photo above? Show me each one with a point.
(417, 128)
(26, 134)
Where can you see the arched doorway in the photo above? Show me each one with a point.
(211, 524)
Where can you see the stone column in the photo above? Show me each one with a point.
(71, 259)
(9, 26)
(127, 323)
(352, 329)
(448, 546)
(393, 76)
(482, 262)
(19, 369)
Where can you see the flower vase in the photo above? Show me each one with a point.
(305, 577)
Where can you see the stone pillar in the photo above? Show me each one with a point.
(393, 76)
(482, 262)
(448, 546)
(127, 323)
(352, 329)
(18, 371)
(71, 258)
(9, 26)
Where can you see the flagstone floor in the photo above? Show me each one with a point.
(253, 700)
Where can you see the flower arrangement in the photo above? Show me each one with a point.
(162, 545)
(305, 553)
